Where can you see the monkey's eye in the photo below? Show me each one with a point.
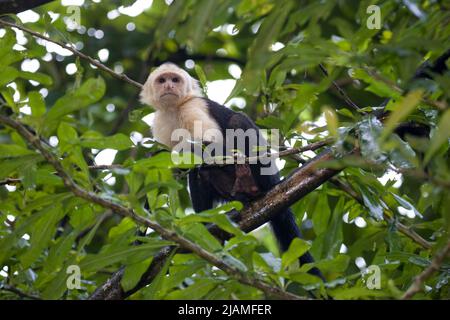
(175, 79)
(161, 80)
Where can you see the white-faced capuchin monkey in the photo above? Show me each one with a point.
(179, 104)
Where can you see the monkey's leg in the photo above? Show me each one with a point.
(200, 191)
(286, 230)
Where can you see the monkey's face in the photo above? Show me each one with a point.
(170, 88)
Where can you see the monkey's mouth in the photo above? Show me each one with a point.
(168, 94)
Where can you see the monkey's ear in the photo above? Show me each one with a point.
(194, 87)
(147, 95)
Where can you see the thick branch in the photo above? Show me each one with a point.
(16, 6)
(239, 275)
(442, 67)
(302, 181)
(435, 265)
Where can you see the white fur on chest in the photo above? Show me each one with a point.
(192, 116)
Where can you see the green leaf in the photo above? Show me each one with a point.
(337, 264)
(202, 20)
(133, 273)
(7, 74)
(271, 122)
(92, 139)
(372, 202)
(233, 261)
(13, 150)
(7, 54)
(180, 272)
(36, 76)
(199, 234)
(441, 135)
(124, 254)
(370, 130)
(81, 216)
(7, 94)
(322, 214)
(153, 291)
(56, 288)
(216, 216)
(67, 136)
(327, 244)
(402, 108)
(41, 234)
(407, 205)
(59, 252)
(304, 278)
(401, 155)
(90, 91)
(162, 160)
(378, 87)
(297, 248)
(195, 291)
(10, 240)
(13, 165)
(332, 121)
(201, 75)
(37, 103)
(356, 293)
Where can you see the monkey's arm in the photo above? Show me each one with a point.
(228, 119)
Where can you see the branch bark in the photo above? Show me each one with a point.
(19, 292)
(435, 265)
(301, 182)
(16, 6)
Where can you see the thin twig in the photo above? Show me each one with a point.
(310, 147)
(10, 181)
(120, 76)
(236, 158)
(434, 266)
(106, 167)
(20, 293)
(401, 227)
(340, 90)
(93, 167)
(170, 235)
(441, 105)
(419, 174)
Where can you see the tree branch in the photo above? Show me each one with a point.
(301, 182)
(20, 293)
(341, 91)
(170, 235)
(16, 6)
(407, 231)
(435, 265)
(9, 181)
(120, 76)
(400, 226)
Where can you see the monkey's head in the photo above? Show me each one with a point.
(168, 86)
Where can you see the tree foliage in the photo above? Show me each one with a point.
(312, 69)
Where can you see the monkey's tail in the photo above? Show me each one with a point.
(286, 230)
